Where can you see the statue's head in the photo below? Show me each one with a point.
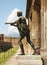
(19, 13)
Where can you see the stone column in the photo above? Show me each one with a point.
(43, 28)
(35, 28)
(36, 23)
(45, 23)
(42, 25)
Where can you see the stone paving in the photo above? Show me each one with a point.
(12, 60)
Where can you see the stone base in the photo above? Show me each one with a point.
(29, 60)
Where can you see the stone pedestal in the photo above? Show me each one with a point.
(29, 60)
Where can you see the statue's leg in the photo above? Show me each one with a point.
(21, 45)
(28, 40)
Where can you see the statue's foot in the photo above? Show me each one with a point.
(36, 53)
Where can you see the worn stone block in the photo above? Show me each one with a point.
(28, 57)
(29, 60)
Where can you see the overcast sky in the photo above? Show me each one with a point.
(6, 7)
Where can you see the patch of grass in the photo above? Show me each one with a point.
(4, 56)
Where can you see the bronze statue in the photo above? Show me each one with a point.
(23, 30)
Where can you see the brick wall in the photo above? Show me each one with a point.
(14, 41)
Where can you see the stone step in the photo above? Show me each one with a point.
(28, 57)
(29, 62)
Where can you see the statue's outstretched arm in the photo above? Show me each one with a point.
(13, 23)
